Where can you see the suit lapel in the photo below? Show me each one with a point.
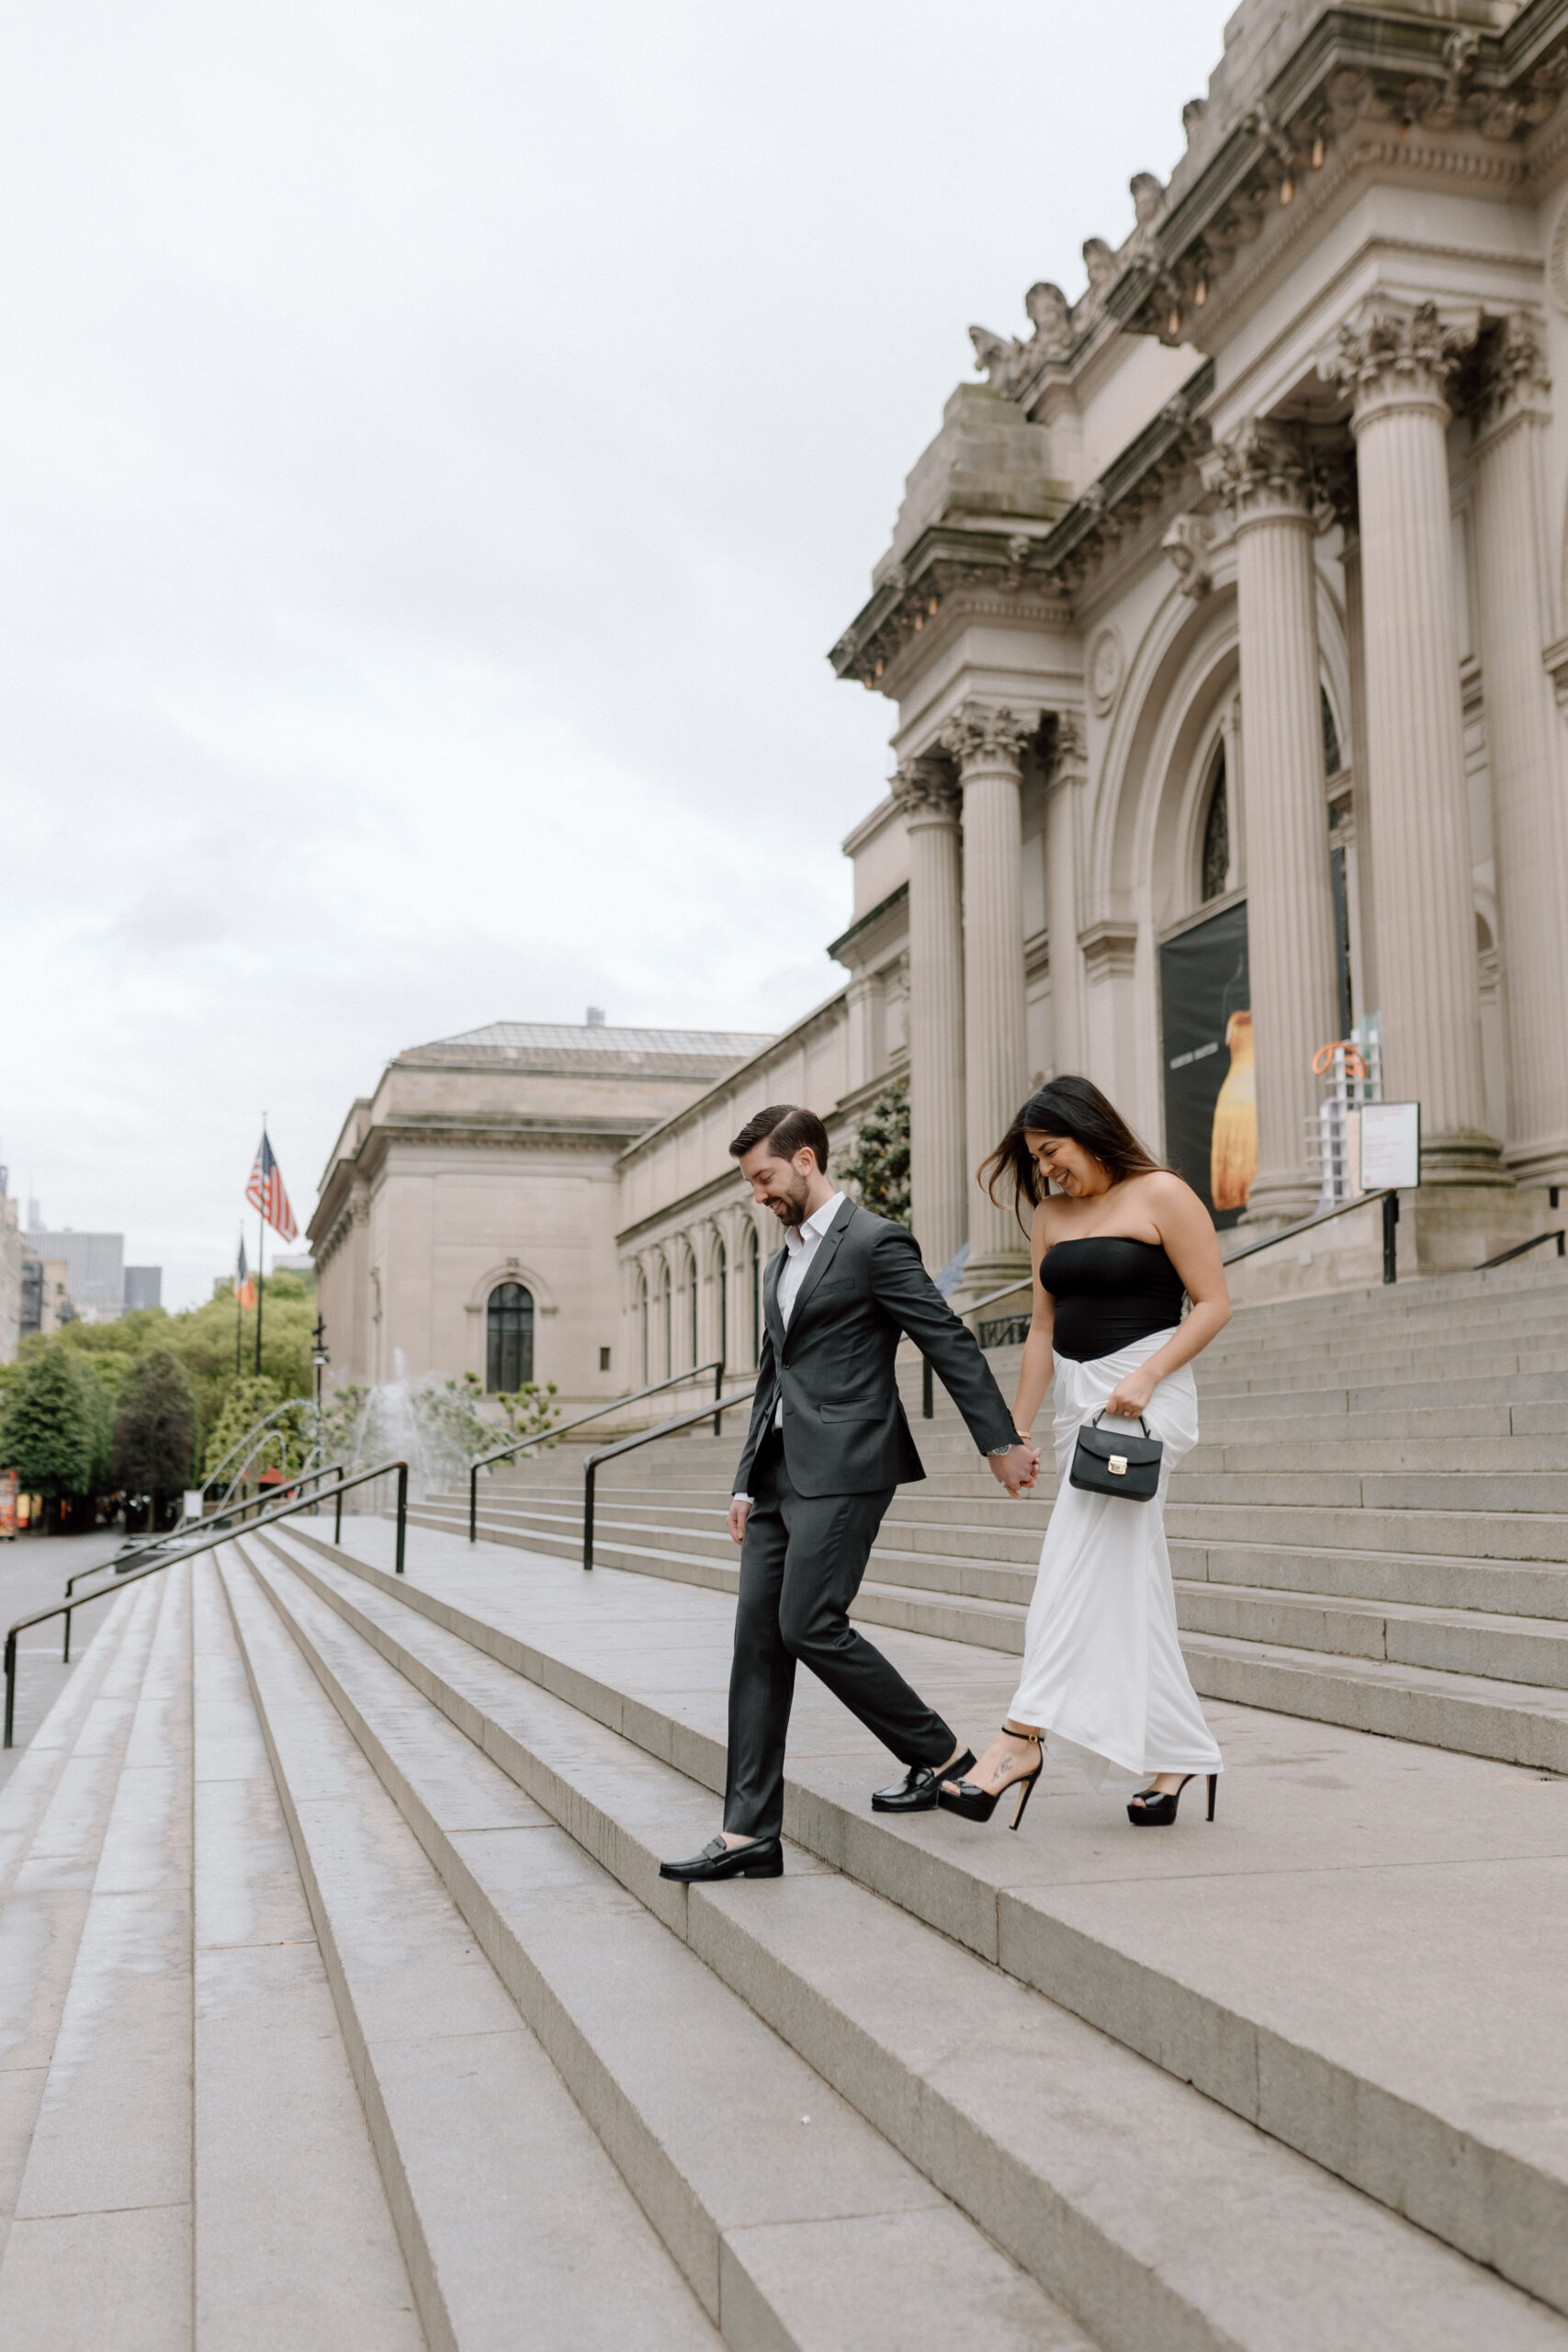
(827, 1249)
(774, 1320)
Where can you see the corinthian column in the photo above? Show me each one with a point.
(925, 791)
(1262, 473)
(1530, 812)
(1063, 803)
(989, 747)
(1396, 360)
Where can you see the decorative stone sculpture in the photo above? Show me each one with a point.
(1189, 543)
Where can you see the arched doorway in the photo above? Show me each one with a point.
(509, 1338)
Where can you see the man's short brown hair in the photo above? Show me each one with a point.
(785, 1129)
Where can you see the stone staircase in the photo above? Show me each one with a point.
(1373, 1530)
(342, 2006)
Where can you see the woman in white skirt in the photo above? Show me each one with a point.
(1116, 1240)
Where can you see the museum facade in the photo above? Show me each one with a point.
(1224, 628)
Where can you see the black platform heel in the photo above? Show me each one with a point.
(1156, 1808)
(979, 1804)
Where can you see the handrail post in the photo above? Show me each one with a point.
(65, 1647)
(337, 1516)
(402, 1510)
(590, 1472)
(928, 1393)
(1390, 1245)
(473, 1502)
(10, 1685)
(717, 1390)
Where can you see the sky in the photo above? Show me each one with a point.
(438, 446)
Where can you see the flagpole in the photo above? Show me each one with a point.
(261, 1247)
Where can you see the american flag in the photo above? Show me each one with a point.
(266, 1191)
(244, 1289)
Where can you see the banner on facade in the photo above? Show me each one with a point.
(1210, 1096)
(7, 1505)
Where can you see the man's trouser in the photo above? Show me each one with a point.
(800, 1568)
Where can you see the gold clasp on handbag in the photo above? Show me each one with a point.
(1117, 1465)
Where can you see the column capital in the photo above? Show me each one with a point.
(979, 737)
(1263, 472)
(1393, 353)
(1069, 753)
(924, 790)
(1511, 379)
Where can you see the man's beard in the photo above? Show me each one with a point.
(791, 1210)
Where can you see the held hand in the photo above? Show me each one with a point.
(1015, 1469)
(1129, 1400)
(739, 1513)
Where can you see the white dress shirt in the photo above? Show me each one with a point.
(801, 1245)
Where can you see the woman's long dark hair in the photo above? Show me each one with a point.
(1064, 1106)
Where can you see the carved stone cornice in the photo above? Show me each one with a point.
(1510, 378)
(1358, 91)
(1025, 577)
(1393, 352)
(925, 791)
(1263, 472)
(980, 737)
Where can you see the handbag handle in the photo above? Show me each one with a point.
(1096, 1419)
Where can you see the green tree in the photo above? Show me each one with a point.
(52, 1427)
(878, 1166)
(154, 1430)
(247, 1402)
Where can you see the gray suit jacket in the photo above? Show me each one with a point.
(844, 1428)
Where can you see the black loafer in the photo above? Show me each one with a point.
(917, 1791)
(764, 1858)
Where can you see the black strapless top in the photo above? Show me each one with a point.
(1109, 1292)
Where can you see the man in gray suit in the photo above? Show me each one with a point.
(827, 1445)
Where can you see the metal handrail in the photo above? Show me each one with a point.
(207, 1543)
(927, 1391)
(1289, 1232)
(1520, 1246)
(504, 1452)
(647, 1437)
(121, 1560)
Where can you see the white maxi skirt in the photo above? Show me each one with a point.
(1103, 1674)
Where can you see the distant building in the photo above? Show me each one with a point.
(12, 1258)
(468, 1215)
(95, 1271)
(143, 1287)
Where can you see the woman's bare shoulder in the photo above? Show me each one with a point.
(1167, 1195)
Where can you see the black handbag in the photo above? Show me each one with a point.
(1104, 1464)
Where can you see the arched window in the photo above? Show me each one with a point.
(667, 1318)
(692, 1302)
(1217, 834)
(1333, 758)
(642, 1323)
(721, 1272)
(509, 1338)
(754, 1289)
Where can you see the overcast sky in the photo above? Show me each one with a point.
(438, 446)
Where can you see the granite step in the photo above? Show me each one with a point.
(1343, 1960)
(793, 2222)
(504, 2200)
(99, 2251)
(54, 1814)
(1155, 2215)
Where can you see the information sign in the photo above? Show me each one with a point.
(1390, 1147)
